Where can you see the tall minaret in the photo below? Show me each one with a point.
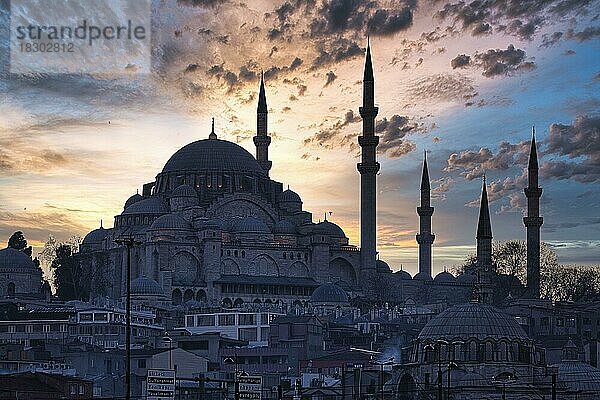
(533, 222)
(425, 238)
(484, 248)
(368, 168)
(262, 140)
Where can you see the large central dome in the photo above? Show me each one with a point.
(213, 154)
(472, 320)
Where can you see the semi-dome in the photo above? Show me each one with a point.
(382, 267)
(151, 205)
(11, 258)
(184, 191)
(472, 320)
(133, 199)
(170, 222)
(329, 293)
(403, 274)
(96, 236)
(444, 277)
(289, 196)
(212, 154)
(284, 227)
(329, 228)
(422, 276)
(146, 286)
(579, 376)
(251, 225)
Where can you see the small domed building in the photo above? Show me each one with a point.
(20, 276)
(580, 380)
(478, 345)
(329, 299)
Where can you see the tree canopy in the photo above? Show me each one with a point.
(17, 241)
(557, 282)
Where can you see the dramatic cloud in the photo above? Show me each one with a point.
(443, 87)
(393, 133)
(473, 164)
(580, 140)
(335, 51)
(503, 62)
(521, 18)
(338, 16)
(459, 61)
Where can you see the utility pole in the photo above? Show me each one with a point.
(128, 243)
(554, 386)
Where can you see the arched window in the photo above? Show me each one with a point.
(176, 297)
(10, 289)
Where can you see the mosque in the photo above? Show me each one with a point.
(214, 227)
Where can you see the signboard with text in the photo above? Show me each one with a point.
(249, 387)
(160, 384)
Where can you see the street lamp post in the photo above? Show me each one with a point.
(129, 243)
(168, 338)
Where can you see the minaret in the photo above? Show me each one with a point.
(425, 238)
(533, 222)
(262, 140)
(484, 248)
(368, 168)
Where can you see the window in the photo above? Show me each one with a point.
(205, 320)
(189, 320)
(81, 389)
(264, 334)
(73, 388)
(247, 319)
(86, 317)
(227, 320)
(101, 317)
(142, 363)
(249, 334)
(243, 254)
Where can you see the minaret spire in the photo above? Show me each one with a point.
(484, 248)
(533, 223)
(262, 140)
(212, 135)
(368, 168)
(425, 238)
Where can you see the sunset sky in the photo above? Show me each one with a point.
(464, 81)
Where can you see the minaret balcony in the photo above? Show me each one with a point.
(533, 221)
(366, 141)
(534, 192)
(368, 111)
(425, 238)
(370, 168)
(261, 140)
(425, 211)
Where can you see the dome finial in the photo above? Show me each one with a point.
(212, 135)
(101, 223)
